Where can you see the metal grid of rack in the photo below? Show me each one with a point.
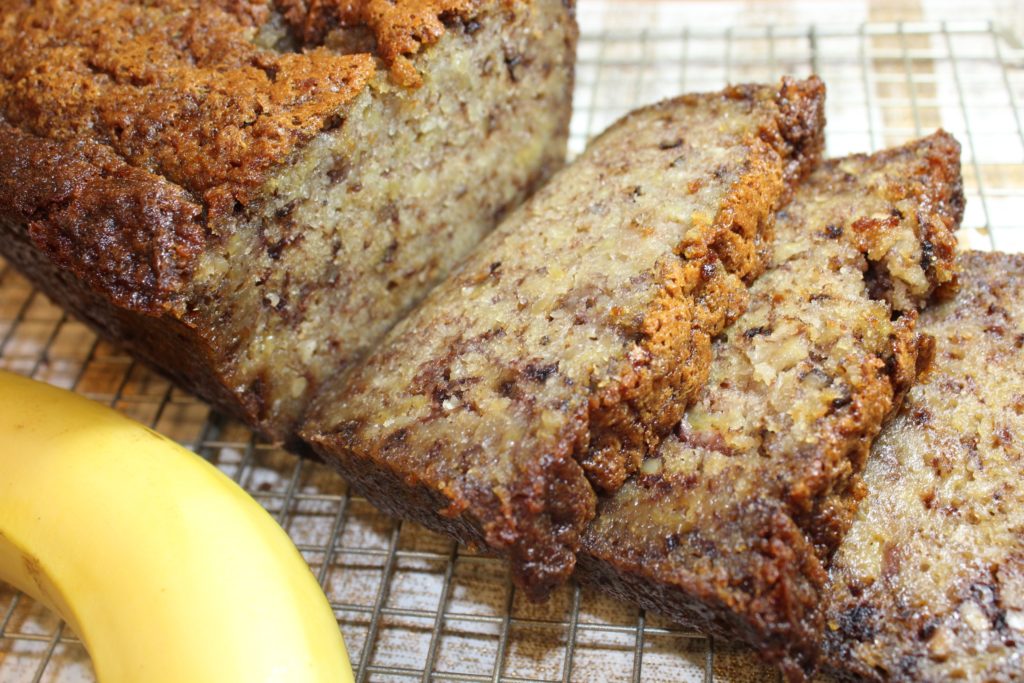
(415, 606)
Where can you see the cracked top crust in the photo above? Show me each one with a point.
(179, 87)
(153, 120)
(400, 27)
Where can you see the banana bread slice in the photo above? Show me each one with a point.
(727, 527)
(246, 194)
(928, 584)
(572, 335)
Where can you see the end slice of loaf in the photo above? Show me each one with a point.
(248, 195)
(567, 344)
(726, 528)
(928, 585)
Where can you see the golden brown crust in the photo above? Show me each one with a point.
(574, 332)
(166, 342)
(799, 386)
(122, 230)
(400, 27)
(630, 413)
(697, 296)
(208, 192)
(177, 88)
(928, 585)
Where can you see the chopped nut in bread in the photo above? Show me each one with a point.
(568, 343)
(727, 527)
(928, 585)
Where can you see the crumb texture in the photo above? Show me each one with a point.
(199, 181)
(928, 584)
(567, 343)
(182, 91)
(726, 526)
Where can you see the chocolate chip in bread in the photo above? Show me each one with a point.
(246, 195)
(569, 342)
(928, 585)
(727, 527)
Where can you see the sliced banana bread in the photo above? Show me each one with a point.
(570, 340)
(928, 584)
(247, 194)
(726, 528)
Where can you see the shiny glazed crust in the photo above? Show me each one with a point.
(568, 343)
(928, 585)
(727, 527)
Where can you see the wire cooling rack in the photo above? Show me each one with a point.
(413, 605)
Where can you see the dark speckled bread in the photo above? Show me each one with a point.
(247, 194)
(569, 342)
(728, 527)
(928, 584)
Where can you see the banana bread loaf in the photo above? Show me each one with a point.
(247, 194)
(569, 341)
(928, 584)
(726, 529)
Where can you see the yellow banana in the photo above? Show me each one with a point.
(164, 567)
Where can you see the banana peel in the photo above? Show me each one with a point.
(166, 569)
